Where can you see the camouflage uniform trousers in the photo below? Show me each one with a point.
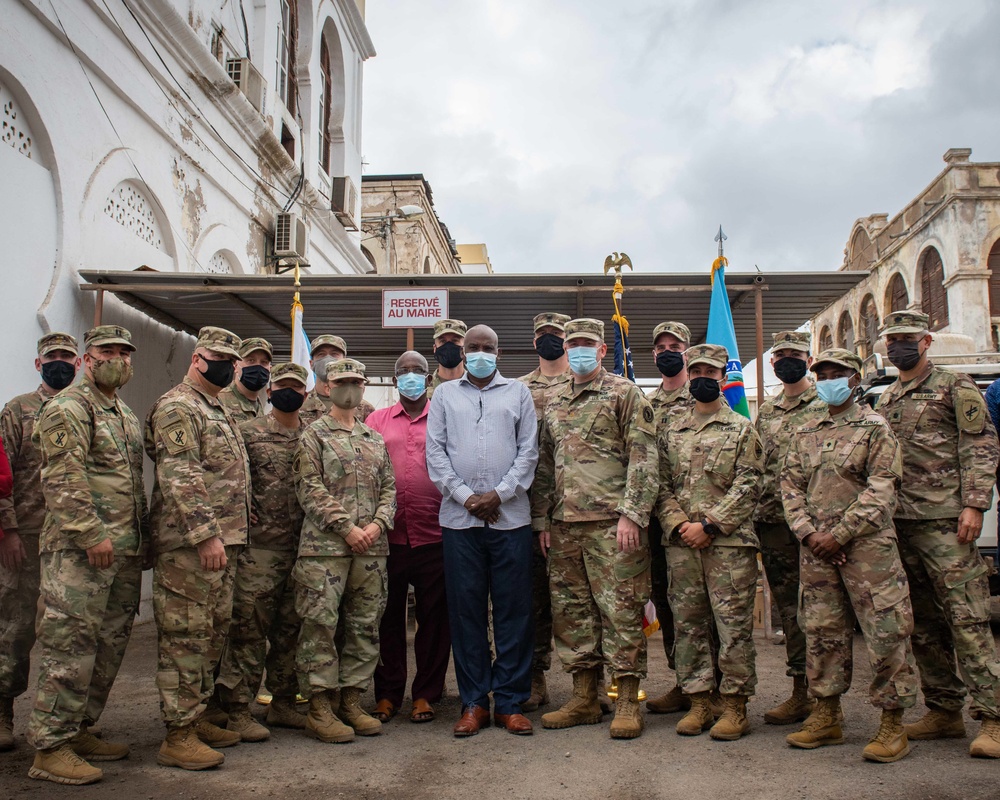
(871, 588)
(715, 584)
(264, 630)
(949, 590)
(779, 552)
(192, 608)
(19, 591)
(598, 596)
(542, 609)
(347, 590)
(82, 638)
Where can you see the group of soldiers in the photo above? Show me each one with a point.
(266, 534)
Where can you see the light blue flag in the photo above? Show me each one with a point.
(721, 331)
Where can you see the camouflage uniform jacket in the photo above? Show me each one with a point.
(667, 406)
(24, 510)
(202, 480)
(343, 479)
(435, 382)
(91, 449)
(949, 444)
(710, 467)
(239, 407)
(316, 406)
(778, 421)
(542, 386)
(271, 449)
(841, 476)
(597, 454)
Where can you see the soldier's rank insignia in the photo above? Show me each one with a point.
(58, 437)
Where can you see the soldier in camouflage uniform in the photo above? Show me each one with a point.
(778, 420)
(324, 351)
(244, 398)
(839, 489)
(449, 339)
(347, 489)
(949, 467)
(552, 372)
(265, 625)
(21, 518)
(709, 481)
(200, 518)
(594, 488)
(91, 550)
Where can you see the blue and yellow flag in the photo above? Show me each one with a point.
(721, 331)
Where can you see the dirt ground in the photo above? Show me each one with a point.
(424, 761)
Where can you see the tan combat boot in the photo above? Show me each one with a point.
(890, 743)
(322, 723)
(582, 708)
(699, 717)
(354, 715)
(937, 723)
(627, 723)
(283, 713)
(603, 698)
(6, 724)
(88, 746)
(214, 736)
(214, 713)
(822, 726)
(987, 743)
(795, 709)
(670, 703)
(241, 721)
(539, 692)
(182, 748)
(62, 765)
(716, 703)
(733, 723)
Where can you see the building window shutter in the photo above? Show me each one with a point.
(934, 298)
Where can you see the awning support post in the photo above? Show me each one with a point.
(99, 307)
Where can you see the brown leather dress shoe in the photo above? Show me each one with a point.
(518, 724)
(472, 720)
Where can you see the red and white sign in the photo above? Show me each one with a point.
(413, 308)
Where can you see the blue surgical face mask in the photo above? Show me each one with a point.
(583, 360)
(412, 385)
(834, 392)
(481, 365)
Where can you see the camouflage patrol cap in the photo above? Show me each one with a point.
(256, 343)
(678, 330)
(715, 355)
(792, 340)
(455, 326)
(328, 339)
(287, 370)
(108, 334)
(905, 322)
(838, 356)
(219, 340)
(557, 321)
(585, 328)
(51, 342)
(345, 368)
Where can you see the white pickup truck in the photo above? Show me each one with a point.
(983, 368)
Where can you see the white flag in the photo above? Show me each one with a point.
(300, 344)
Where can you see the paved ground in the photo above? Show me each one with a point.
(424, 761)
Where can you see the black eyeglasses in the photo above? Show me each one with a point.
(411, 371)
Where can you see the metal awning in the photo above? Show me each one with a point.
(351, 306)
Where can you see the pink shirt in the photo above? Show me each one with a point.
(418, 501)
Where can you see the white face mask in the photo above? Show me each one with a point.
(834, 392)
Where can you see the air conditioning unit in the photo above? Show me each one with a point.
(245, 75)
(290, 237)
(343, 202)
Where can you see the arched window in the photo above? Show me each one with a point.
(896, 296)
(825, 338)
(845, 332)
(993, 264)
(287, 39)
(933, 297)
(325, 88)
(868, 322)
(860, 255)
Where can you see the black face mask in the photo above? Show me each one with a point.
(790, 369)
(287, 400)
(904, 355)
(670, 363)
(705, 390)
(448, 355)
(255, 377)
(550, 347)
(218, 373)
(58, 374)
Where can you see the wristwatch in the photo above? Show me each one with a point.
(711, 529)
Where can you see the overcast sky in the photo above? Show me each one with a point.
(557, 131)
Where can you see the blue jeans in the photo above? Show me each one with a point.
(480, 563)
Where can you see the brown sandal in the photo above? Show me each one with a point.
(384, 711)
(422, 711)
